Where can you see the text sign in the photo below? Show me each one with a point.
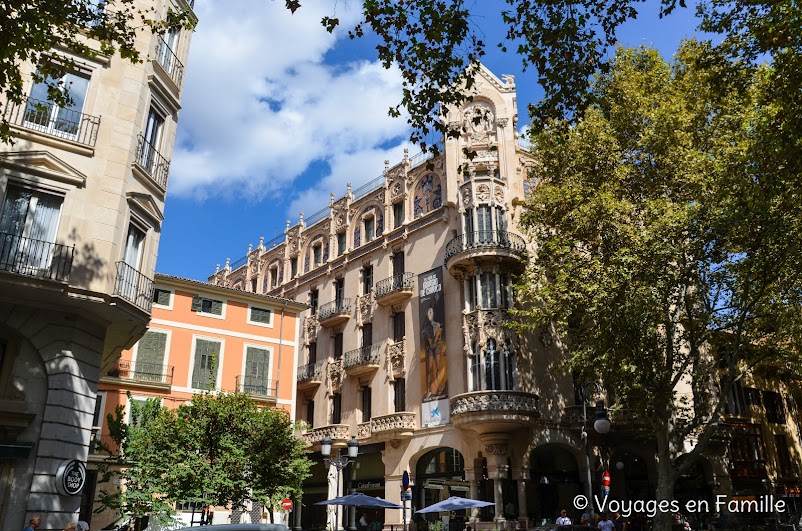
(286, 504)
(70, 477)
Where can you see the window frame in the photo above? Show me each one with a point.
(398, 215)
(342, 243)
(164, 306)
(203, 297)
(49, 128)
(167, 341)
(221, 357)
(101, 397)
(271, 356)
(369, 218)
(251, 307)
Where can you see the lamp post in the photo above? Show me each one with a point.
(601, 425)
(339, 461)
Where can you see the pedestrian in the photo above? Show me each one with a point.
(563, 519)
(605, 524)
(82, 526)
(618, 520)
(72, 526)
(33, 523)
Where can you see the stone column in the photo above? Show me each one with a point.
(497, 471)
(521, 476)
(298, 510)
(352, 510)
(473, 483)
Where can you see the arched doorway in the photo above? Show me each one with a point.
(630, 477)
(555, 480)
(439, 473)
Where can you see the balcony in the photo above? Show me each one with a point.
(35, 258)
(364, 360)
(103, 445)
(310, 375)
(500, 246)
(399, 425)
(257, 386)
(142, 372)
(151, 163)
(337, 432)
(134, 287)
(395, 289)
(169, 62)
(334, 313)
(501, 412)
(48, 118)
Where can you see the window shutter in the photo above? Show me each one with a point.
(217, 307)
(259, 315)
(150, 354)
(197, 303)
(204, 370)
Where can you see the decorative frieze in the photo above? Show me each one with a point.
(396, 358)
(480, 325)
(487, 401)
(335, 375)
(336, 432)
(393, 422)
(363, 430)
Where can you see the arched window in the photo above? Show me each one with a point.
(428, 195)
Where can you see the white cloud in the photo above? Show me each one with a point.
(261, 104)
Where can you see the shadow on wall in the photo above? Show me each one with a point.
(545, 374)
(87, 266)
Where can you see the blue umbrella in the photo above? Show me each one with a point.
(357, 499)
(454, 503)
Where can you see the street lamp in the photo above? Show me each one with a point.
(340, 461)
(601, 425)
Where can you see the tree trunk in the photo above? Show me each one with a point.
(664, 519)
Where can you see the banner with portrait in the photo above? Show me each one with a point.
(433, 362)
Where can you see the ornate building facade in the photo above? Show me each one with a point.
(406, 345)
(82, 192)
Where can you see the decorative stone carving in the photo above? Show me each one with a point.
(502, 122)
(311, 328)
(363, 430)
(498, 195)
(496, 449)
(467, 200)
(480, 325)
(513, 401)
(397, 190)
(293, 242)
(396, 358)
(483, 193)
(508, 79)
(364, 308)
(395, 443)
(335, 432)
(393, 421)
(478, 121)
(336, 374)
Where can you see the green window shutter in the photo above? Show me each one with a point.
(197, 303)
(162, 296)
(257, 365)
(260, 315)
(217, 307)
(204, 370)
(150, 353)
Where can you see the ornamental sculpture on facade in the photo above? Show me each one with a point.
(335, 432)
(392, 422)
(514, 401)
(363, 430)
(311, 327)
(480, 325)
(336, 374)
(396, 358)
(364, 308)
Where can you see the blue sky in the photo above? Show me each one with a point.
(277, 113)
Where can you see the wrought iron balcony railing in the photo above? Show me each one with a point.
(310, 371)
(47, 117)
(103, 445)
(256, 385)
(333, 308)
(169, 61)
(150, 160)
(134, 287)
(35, 258)
(485, 239)
(399, 282)
(368, 355)
(142, 371)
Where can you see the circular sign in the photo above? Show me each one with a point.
(286, 504)
(70, 477)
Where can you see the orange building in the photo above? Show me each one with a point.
(204, 338)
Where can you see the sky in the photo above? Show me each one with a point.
(277, 114)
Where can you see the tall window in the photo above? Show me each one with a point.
(367, 399)
(399, 325)
(134, 242)
(367, 334)
(775, 409)
(339, 290)
(367, 279)
(313, 301)
(398, 215)
(492, 369)
(310, 413)
(150, 354)
(484, 223)
(340, 243)
(257, 372)
(207, 359)
(28, 223)
(149, 157)
(294, 266)
(400, 394)
(370, 229)
(398, 263)
(338, 345)
(274, 277)
(488, 291)
(42, 114)
(317, 255)
(312, 355)
(166, 55)
(786, 464)
(336, 408)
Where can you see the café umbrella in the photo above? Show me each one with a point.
(357, 499)
(454, 503)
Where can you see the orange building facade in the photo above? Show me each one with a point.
(203, 338)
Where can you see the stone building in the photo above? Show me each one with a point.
(82, 192)
(406, 345)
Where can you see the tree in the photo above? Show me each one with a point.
(34, 31)
(668, 230)
(437, 45)
(221, 449)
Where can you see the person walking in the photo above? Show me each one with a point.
(33, 523)
(563, 519)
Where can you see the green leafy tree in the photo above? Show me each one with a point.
(221, 449)
(34, 31)
(668, 230)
